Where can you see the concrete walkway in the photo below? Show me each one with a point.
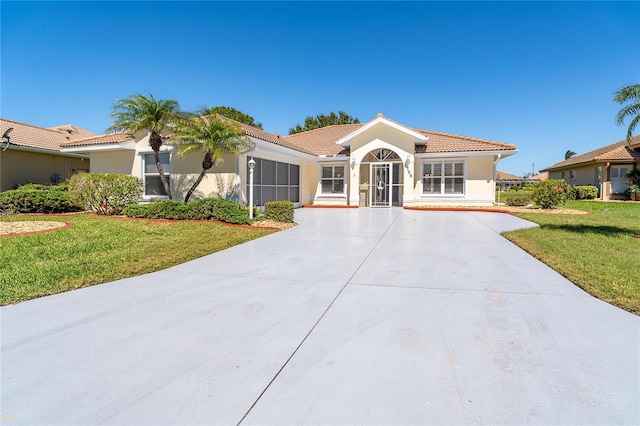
(357, 316)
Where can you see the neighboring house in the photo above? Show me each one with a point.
(506, 180)
(381, 163)
(605, 168)
(31, 154)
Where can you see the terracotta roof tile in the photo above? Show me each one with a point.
(507, 176)
(110, 138)
(446, 142)
(271, 137)
(39, 137)
(322, 141)
(614, 151)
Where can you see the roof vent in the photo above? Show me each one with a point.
(278, 135)
(379, 115)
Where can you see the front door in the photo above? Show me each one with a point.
(381, 182)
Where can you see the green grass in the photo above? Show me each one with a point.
(99, 249)
(598, 252)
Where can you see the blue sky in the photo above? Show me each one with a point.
(540, 75)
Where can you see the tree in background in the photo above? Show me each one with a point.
(138, 112)
(213, 135)
(629, 95)
(322, 120)
(569, 154)
(231, 113)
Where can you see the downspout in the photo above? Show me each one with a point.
(239, 180)
(495, 164)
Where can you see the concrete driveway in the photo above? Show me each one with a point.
(357, 316)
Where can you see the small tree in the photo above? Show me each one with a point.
(569, 154)
(550, 193)
(213, 135)
(311, 123)
(138, 112)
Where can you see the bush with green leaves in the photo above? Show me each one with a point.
(204, 209)
(585, 192)
(280, 211)
(36, 198)
(105, 193)
(518, 200)
(550, 193)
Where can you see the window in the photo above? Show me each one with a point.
(443, 177)
(152, 184)
(274, 181)
(572, 174)
(333, 179)
(619, 180)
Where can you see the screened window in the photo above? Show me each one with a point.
(443, 177)
(274, 181)
(333, 179)
(152, 183)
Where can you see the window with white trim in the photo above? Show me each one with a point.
(619, 180)
(152, 184)
(333, 179)
(443, 177)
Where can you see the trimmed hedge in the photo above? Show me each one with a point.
(280, 211)
(36, 198)
(518, 200)
(204, 209)
(585, 192)
(105, 193)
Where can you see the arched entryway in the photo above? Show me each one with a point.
(381, 179)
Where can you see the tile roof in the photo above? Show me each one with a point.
(39, 137)
(110, 138)
(618, 151)
(322, 141)
(273, 138)
(446, 142)
(506, 176)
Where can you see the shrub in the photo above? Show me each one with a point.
(205, 209)
(105, 194)
(517, 200)
(35, 198)
(550, 193)
(585, 192)
(280, 211)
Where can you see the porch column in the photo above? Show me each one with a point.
(354, 182)
(409, 180)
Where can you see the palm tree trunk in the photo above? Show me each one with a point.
(155, 141)
(194, 186)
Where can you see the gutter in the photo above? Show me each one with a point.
(46, 151)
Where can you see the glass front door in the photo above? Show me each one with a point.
(381, 183)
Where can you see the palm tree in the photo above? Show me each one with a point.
(214, 135)
(138, 112)
(569, 154)
(631, 96)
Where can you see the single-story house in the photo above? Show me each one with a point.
(381, 163)
(31, 154)
(606, 168)
(507, 180)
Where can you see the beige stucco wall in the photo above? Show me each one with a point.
(583, 175)
(219, 181)
(20, 167)
(121, 162)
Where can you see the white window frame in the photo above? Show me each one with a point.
(620, 181)
(443, 178)
(144, 174)
(343, 178)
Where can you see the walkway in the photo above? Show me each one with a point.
(357, 316)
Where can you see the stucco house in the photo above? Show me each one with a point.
(381, 163)
(31, 154)
(605, 167)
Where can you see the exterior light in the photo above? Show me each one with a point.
(407, 161)
(251, 164)
(353, 163)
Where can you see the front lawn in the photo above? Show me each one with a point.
(599, 252)
(98, 249)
